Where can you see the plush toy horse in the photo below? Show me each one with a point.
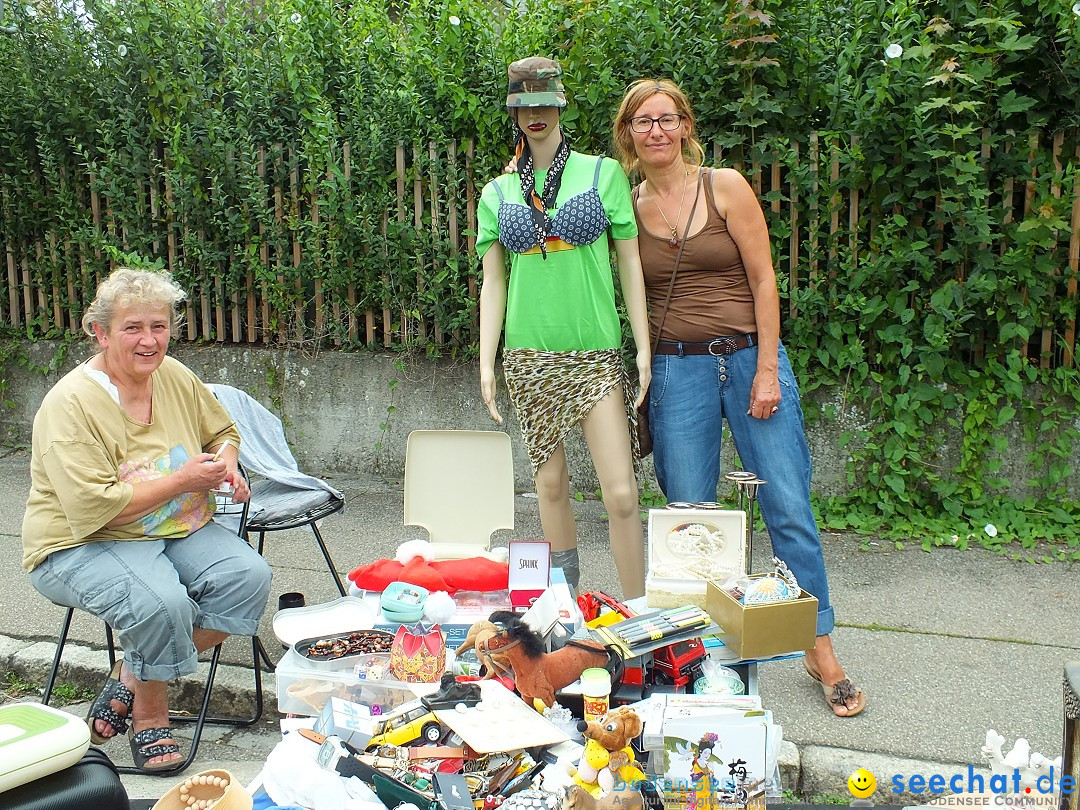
(538, 675)
(476, 639)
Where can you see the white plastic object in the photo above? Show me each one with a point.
(343, 615)
(37, 740)
(459, 486)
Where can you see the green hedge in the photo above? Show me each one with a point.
(950, 292)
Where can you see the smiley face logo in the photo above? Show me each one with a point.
(862, 784)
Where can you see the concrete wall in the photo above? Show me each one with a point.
(337, 409)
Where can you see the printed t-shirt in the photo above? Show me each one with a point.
(566, 302)
(87, 453)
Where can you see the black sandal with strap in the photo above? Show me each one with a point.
(101, 708)
(143, 748)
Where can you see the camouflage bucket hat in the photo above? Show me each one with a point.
(535, 82)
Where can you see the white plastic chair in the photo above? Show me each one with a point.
(459, 485)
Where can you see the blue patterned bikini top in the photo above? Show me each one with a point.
(581, 220)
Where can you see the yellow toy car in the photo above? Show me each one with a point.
(410, 722)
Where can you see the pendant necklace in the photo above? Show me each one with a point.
(673, 242)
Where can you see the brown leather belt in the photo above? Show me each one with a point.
(716, 347)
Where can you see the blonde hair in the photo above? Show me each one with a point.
(126, 287)
(637, 94)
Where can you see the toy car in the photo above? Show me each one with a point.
(600, 609)
(410, 722)
(678, 664)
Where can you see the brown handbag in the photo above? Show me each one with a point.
(644, 432)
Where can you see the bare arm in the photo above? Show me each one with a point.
(633, 289)
(746, 223)
(492, 314)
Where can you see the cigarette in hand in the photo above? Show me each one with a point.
(221, 449)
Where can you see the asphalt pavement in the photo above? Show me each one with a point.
(946, 645)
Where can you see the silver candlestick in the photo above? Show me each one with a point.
(751, 488)
(739, 478)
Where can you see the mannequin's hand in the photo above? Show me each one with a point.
(487, 392)
(644, 370)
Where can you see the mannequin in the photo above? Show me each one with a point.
(561, 357)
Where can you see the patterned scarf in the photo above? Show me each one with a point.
(539, 203)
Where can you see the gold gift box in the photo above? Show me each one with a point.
(763, 631)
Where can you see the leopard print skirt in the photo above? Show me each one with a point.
(553, 391)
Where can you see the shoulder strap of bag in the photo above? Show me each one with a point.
(678, 258)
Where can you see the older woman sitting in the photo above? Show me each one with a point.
(119, 519)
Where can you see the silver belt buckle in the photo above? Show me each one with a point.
(722, 346)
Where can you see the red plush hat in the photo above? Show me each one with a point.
(414, 564)
(377, 575)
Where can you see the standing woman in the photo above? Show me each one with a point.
(561, 358)
(719, 352)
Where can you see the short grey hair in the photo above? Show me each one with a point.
(126, 287)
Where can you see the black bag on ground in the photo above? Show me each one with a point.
(92, 782)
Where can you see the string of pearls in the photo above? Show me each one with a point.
(187, 795)
(694, 553)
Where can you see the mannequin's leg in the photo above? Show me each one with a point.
(607, 433)
(556, 515)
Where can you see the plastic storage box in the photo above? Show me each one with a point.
(37, 740)
(305, 689)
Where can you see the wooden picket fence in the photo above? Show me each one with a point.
(434, 189)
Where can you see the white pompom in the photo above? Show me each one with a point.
(414, 548)
(439, 607)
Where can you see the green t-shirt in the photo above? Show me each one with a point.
(566, 302)
(87, 453)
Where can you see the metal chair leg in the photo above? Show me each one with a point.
(322, 547)
(60, 642)
(260, 660)
(326, 556)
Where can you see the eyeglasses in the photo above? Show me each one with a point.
(642, 123)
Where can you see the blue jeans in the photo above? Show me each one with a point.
(688, 399)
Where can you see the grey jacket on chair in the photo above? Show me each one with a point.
(264, 451)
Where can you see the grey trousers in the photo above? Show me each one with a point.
(154, 592)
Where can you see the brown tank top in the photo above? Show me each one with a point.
(712, 295)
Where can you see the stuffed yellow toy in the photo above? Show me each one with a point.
(608, 757)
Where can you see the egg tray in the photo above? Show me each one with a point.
(343, 647)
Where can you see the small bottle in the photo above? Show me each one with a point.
(595, 692)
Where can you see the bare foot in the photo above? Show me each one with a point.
(822, 665)
(151, 711)
(120, 703)
(152, 724)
